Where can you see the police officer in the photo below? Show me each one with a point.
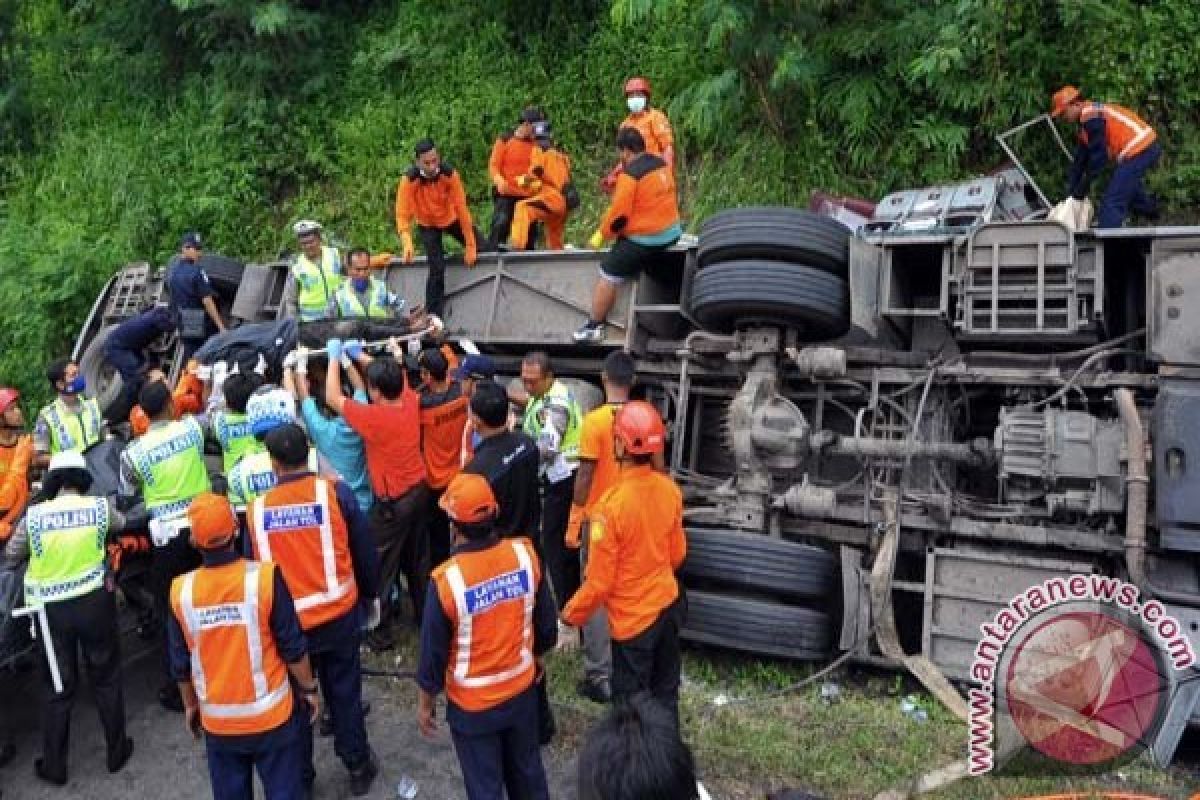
(234, 639)
(125, 349)
(488, 620)
(362, 296)
(64, 539)
(166, 467)
(231, 426)
(268, 408)
(192, 296)
(315, 532)
(72, 421)
(553, 419)
(315, 275)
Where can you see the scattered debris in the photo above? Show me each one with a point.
(831, 692)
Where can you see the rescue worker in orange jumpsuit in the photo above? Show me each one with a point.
(635, 545)
(510, 159)
(1109, 132)
(235, 640)
(431, 194)
(489, 618)
(443, 419)
(317, 535)
(643, 217)
(16, 454)
(549, 173)
(651, 123)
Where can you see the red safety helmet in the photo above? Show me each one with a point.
(213, 521)
(469, 499)
(1063, 98)
(636, 85)
(8, 396)
(639, 428)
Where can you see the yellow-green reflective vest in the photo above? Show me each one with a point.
(535, 419)
(348, 303)
(232, 431)
(169, 461)
(66, 547)
(73, 430)
(316, 283)
(254, 476)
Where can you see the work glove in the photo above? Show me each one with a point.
(289, 361)
(220, 371)
(406, 250)
(261, 366)
(334, 348)
(204, 372)
(597, 240)
(469, 255)
(374, 614)
(414, 347)
(353, 348)
(301, 361)
(393, 346)
(572, 537)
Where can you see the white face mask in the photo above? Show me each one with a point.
(636, 103)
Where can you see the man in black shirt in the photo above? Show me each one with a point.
(509, 461)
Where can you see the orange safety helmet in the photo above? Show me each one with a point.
(1063, 98)
(213, 521)
(469, 499)
(639, 428)
(637, 84)
(8, 396)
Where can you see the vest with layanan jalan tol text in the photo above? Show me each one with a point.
(169, 461)
(239, 676)
(233, 433)
(488, 596)
(299, 525)
(316, 283)
(66, 547)
(73, 431)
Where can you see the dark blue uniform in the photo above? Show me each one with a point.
(1126, 190)
(188, 284)
(125, 349)
(277, 754)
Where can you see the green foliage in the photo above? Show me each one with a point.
(124, 122)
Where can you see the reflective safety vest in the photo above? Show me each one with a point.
(316, 283)
(73, 430)
(299, 525)
(254, 476)
(232, 431)
(488, 596)
(534, 419)
(1125, 133)
(66, 547)
(169, 461)
(239, 676)
(348, 303)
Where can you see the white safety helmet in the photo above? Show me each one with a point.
(67, 459)
(269, 408)
(306, 226)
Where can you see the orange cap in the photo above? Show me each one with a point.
(638, 84)
(639, 427)
(213, 521)
(469, 499)
(7, 398)
(1063, 98)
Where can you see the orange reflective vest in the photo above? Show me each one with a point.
(239, 676)
(1125, 133)
(488, 596)
(299, 525)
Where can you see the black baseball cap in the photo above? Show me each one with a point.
(479, 367)
(191, 239)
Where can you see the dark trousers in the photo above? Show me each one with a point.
(439, 529)
(502, 756)
(399, 529)
(1126, 190)
(562, 564)
(650, 661)
(175, 558)
(339, 671)
(87, 625)
(190, 346)
(129, 364)
(277, 756)
(503, 208)
(435, 257)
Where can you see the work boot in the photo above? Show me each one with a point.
(118, 760)
(362, 777)
(589, 332)
(54, 779)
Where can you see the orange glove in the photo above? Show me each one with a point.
(573, 537)
(406, 253)
(469, 255)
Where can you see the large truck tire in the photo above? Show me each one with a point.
(103, 381)
(780, 234)
(758, 626)
(726, 295)
(758, 562)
